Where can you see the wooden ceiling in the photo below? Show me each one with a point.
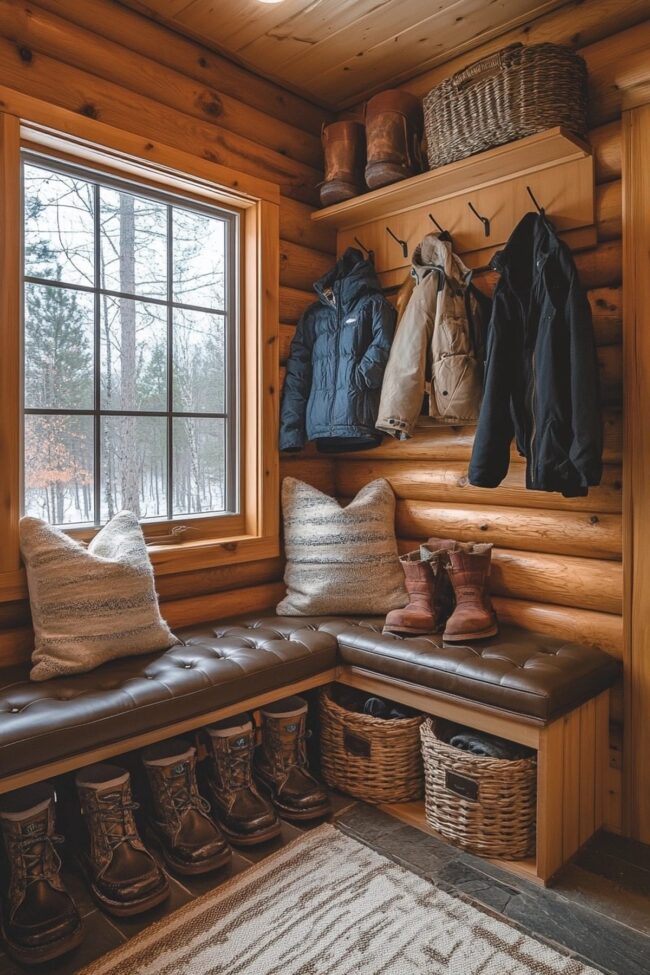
(337, 52)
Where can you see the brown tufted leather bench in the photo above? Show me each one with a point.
(544, 693)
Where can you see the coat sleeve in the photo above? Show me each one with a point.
(495, 429)
(403, 388)
(297, 386)
(373, 363)
(586, 422)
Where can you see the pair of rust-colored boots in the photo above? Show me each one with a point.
(384, 150)
(249, 787)
(447, 584)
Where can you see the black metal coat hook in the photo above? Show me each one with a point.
(370, 254)
(532, 196)
(435, 223)
(402, 243)
(484, 220)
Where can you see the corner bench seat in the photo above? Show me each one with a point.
(224, 663)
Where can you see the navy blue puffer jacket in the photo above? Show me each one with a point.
(337, 360)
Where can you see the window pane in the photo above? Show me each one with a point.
(199, 472)
(199, 259)
(58, 348)
(59, 469)
(59, 231)
(133, 355)
(133, 244)
(199, 357)
(134, 466)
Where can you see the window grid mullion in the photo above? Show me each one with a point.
(97, 375)
(170, 361)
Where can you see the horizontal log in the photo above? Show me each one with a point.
(297, 226)
(433, 481)
(143, 35)
(317, 471)
(610, 371)
(561, 580)
(607, 313)
(34, 30)
(604, 630)
(222, 605)
(71, 88)
(609, 210)
(300, 266)
(220, 578)
(287, 332)
(606, 143)
(530, 529)
(293, 302)
(430, 443)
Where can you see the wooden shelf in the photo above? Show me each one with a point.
(537, 152)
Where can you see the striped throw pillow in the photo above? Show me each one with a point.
(340, 560)
(94, 604)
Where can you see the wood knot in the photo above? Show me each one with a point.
(25, 54)
(89, 110)
(594, 520)
(483, 528)
(148, 146)
(202, 62)
(462, 480)
(229, 546)
(210, 104)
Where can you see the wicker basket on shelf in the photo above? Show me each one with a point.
(514, 93)
(370, 758)
(486, 805)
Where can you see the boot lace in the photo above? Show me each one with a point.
(39, 856)
(117, 820)
(182, 796)
(240, 769)
(287, 750)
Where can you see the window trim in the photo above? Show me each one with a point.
(230, 519)
(44, 128)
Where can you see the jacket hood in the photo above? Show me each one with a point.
(434, 253)
(351, 277)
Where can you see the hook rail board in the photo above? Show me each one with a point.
(478, 200)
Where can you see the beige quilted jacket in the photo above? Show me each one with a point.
(437, 348)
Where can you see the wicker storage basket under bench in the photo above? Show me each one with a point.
(374, 759)
(486, 805)
(514, 93)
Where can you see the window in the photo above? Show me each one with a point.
(130, 349)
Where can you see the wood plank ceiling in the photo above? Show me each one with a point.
(338, 52)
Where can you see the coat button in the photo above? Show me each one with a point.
(444, 392)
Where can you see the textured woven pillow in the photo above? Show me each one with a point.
(340, 560)
(90, 605)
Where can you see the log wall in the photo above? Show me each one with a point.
(557, 562)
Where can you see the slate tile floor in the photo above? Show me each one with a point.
(598, 912)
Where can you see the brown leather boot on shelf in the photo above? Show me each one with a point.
(124, 877)
(474, 617)
(243, 814)
(430, 593)
(394, 128)
(281, 762)
(181, 824)
(39, 918)
(344, 149)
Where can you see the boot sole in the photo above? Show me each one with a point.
(468, 637)
(36, 956)
(408, 630)
(187, 869)
(318, 812)
(128, 909)
(254, 840)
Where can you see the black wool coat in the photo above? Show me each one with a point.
(541, 371)
(337, 360)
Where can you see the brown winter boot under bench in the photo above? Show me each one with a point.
(124, 877)
(40, 921)
(180, 823)
(474, 617)
(429, 590)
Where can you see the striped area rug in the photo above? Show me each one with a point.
(327, 905)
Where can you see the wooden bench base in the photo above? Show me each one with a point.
(571, 764)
